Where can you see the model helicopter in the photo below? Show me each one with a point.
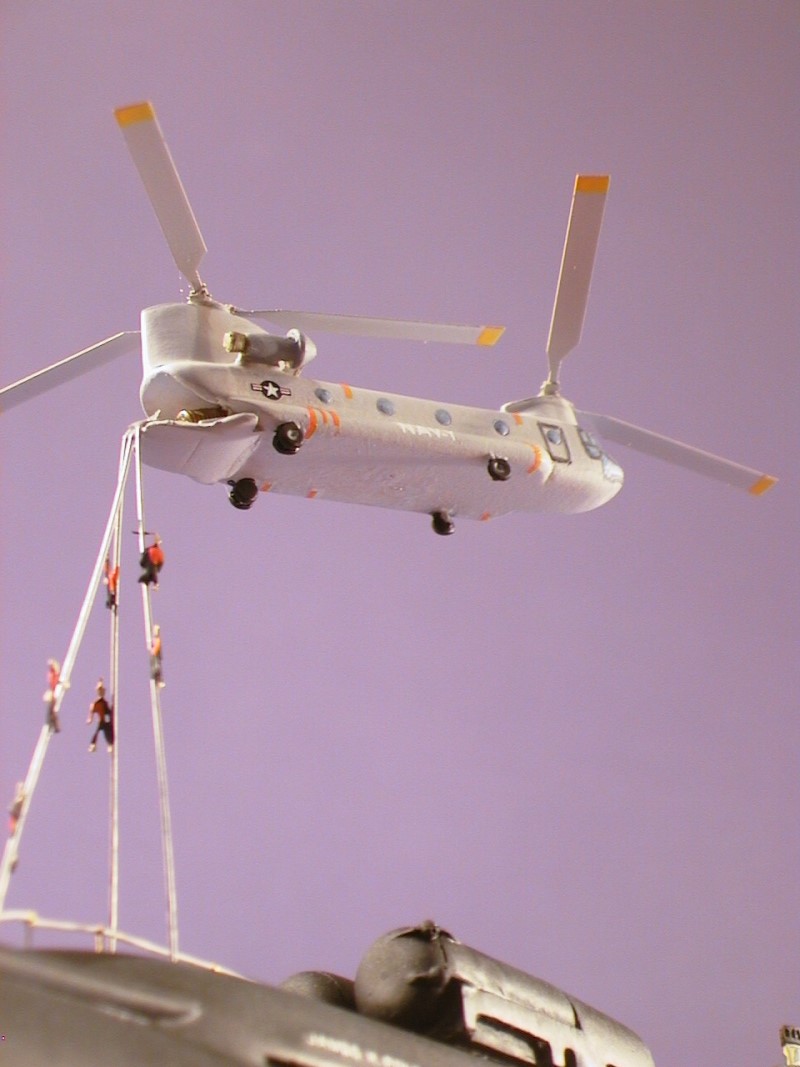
(419, 999)
(226, 401)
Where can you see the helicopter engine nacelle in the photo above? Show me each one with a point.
(206, 332)
(288, 353)
(421, 979)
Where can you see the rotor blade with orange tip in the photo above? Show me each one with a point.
(397, 329)
(152, 157)
(575, 277)
(71, 367)
(677, 453)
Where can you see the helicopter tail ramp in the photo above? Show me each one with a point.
(210, 451)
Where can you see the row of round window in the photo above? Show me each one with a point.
(386, 407)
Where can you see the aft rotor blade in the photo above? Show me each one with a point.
(398, 329)
(677, 453)
(71, 367)
(161, 180)
(572, 293)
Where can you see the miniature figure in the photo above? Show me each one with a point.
(156, 666)
(53, 681)
(790, 1043)
(15, 808)
(152, 560)
(105, 716)
(111, 581)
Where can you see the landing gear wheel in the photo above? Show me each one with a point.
(243, 493)
(288, 438)
(499, 469)
(442, 523)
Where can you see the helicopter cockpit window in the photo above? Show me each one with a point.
(502, 428)
(593, 450)
(556, 442)
(385, 406)
(325, 395)
(611, 470)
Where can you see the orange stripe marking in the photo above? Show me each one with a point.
(591, 183)
(311, 494)
(537, 460)
(312, 423)
(127, 116)
(266, 486)
(490, 335)
(348, 392)
(486, 516)
(762, 485)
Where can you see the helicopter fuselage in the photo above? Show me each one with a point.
(354, 445)
(72, 1007)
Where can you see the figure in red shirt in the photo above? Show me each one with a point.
(151, 561)
(111, 581)
(105, 718)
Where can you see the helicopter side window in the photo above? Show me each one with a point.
(502, 428)
(593, 450)
(325, 395)
(444, 418)
(555, 442)
(385, 406)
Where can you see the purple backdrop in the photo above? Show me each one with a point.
(571, 741)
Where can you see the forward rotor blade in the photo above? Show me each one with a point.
(161, 180)
(677, 453)
(572, 293)
(398, 329)
(71, 367)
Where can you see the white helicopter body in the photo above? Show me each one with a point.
(214, 418)
(227, 402)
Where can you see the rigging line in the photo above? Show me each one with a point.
(97, 573)
(158, 732)
(31, 921)
(11, 850)
(113, 888)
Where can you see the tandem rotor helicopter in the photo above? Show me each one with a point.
(226, 401)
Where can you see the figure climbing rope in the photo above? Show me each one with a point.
(105, 716)
(151, 561)
(15, 808)
(50, 696)
(111, 582)
(156, 664)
